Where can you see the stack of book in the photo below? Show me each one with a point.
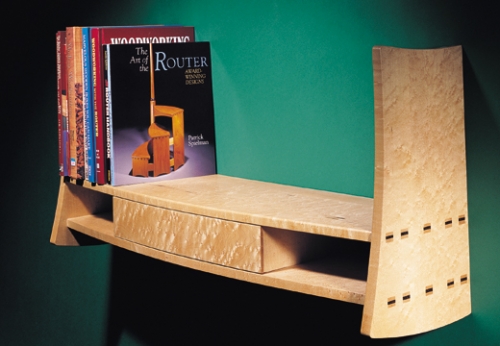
(135, 104)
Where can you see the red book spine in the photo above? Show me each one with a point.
(100, 129)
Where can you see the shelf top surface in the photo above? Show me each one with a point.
(259, 203)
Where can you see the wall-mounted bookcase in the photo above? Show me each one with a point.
(403, 255)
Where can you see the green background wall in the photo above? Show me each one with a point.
(294, 104)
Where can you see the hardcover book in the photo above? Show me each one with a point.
(88, 107)
(64, 107)
(121, 35)
(159, 97)
(75, 101)
(60, 46)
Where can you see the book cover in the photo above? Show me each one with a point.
(121, 35)
(161, 112)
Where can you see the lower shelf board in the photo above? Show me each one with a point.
(329, 278)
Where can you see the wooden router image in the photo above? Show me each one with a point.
(154, 155)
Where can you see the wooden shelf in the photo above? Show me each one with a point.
(216, 197)
(409, 262)
(323, 278)
(258, 203)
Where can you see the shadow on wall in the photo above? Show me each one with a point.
(157, 303)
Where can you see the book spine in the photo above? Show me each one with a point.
(75, 102)
(70, 69)
(64, 105)
(79, 138)
(107, 107)
(88, 107)
(59, 56)
(99, 120)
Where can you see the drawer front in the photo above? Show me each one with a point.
(227, 243)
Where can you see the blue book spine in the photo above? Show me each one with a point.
(88, 104)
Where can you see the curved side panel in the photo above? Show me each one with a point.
(418, 278)
(74, 201)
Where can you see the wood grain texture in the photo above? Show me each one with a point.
(327, 278)
(228, 243)
(74, 201)
(282, 248)
(260, 203)
(255, 202)
(420, 223)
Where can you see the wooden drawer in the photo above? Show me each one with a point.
(228, 243)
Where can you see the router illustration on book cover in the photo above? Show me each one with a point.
(161, 115)
(123, 35)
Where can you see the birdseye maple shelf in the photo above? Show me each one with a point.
(403, 255)
(221, 198)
